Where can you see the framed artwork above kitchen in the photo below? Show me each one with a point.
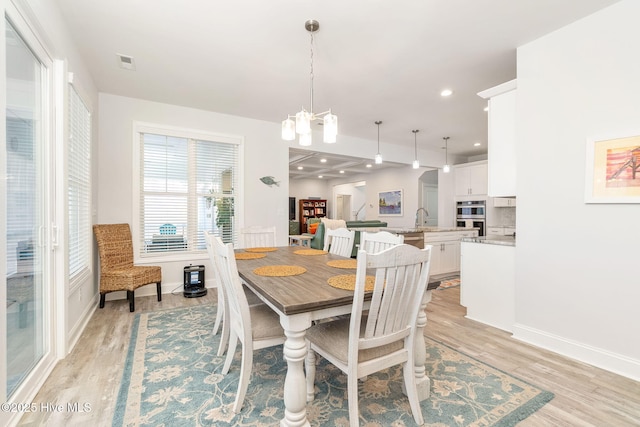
(390, 203)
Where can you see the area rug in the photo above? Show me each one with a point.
(450, 283)
(172, 378)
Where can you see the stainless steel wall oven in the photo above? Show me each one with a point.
(472, 214)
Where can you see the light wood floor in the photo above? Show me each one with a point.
(584, 395)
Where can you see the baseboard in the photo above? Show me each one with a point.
(150, 290)
(604, 359)
(81, 324)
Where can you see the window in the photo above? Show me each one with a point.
(188, 184)
(79, 186)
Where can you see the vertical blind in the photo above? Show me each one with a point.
(187, 186)
(79, 185)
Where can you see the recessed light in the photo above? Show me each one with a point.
(300, 168)
(341, 171)
(446, 92)
(477, 144)
(486, 108)
(323, 160)
(319, 176)
(368, 165)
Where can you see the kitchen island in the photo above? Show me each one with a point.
(487, 280)
(445, 255)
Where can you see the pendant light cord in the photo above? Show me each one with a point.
(311, 74)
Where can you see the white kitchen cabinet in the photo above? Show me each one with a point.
(445, 254)
(495, 231)
(471, 179)
(501, 139)
(504, 202)
(501, 231)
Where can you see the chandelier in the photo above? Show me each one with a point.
(303, 119)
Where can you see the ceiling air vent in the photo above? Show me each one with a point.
(126, 62)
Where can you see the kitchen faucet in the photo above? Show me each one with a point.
(426, 212)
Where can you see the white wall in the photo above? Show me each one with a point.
(408, 180)
(263, 205)
(577, 281)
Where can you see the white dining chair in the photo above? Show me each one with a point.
(372, 243)
(221, 322)
(339, 241)
(257, 236)
(361, 345)
(256, 327)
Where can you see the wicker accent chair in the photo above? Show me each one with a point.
(117, 272)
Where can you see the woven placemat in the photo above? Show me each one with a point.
(279, 270)
(348, 282)
(308, 252)
(343, 263)
(247, 255)
(267, 249)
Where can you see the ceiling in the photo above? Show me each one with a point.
(311, 164)
(372, 59)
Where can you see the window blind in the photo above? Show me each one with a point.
(188, 185)
(79, 185)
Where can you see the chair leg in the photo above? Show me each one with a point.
(159, 290)
(245, 376)
(231, 350)
(352, 395)
(412, 391)
(224, 339)
(220, 312)
(310, 373)
(102, 299)
(130, 296)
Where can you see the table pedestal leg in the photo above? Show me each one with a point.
(423, 383)
(295, 392)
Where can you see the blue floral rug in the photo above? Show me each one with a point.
(172, 378)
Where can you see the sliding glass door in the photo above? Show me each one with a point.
(27, 236)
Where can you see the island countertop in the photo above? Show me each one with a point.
(491, 240)
(400, 230)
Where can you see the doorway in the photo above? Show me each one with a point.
(27, 268)
(343, 207)
(429, 199)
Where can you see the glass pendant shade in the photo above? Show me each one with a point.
(446, 168)
(305, 139)
(416, 164)
(303, 122)
(330, 128)
(378, 159)
(288, 130)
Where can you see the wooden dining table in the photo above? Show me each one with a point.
(301, 299)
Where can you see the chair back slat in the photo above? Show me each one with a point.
(377, 242)
(401, 277)
(258, 236)
(339, 241)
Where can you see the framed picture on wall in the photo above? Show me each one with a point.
(390, 203)
(613, 170)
